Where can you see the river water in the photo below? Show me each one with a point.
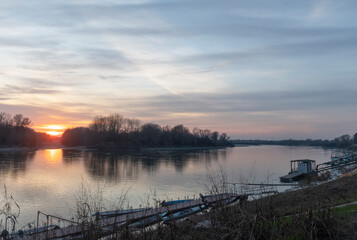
(50, 180)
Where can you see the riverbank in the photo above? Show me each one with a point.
(26, 149)
(12, 149)
(17, 149)
(352, 148)
(180, 148)
(325, 211)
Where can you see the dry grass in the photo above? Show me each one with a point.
(9, 212)
(301, 214)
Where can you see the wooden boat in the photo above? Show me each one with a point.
(148, 221)
(231, 200)
(164, 203)
(178, 201)
(109, 214)
(183, 213)
(29, 232)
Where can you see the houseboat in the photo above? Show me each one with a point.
(299, 169)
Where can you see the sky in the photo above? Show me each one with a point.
(253, 69)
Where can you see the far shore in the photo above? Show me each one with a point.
(18, 149)
(14, 149)
(180, 148)
(85, 148)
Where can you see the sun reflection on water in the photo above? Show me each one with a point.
(53, 156)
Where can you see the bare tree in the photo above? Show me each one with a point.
(131, 125)
(21, 121)
(115, 123)
(98, 124)
(5, 119)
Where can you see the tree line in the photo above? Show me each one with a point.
(116, 131)
(16, 131)
(343, 141)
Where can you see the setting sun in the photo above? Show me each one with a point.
(53, 130)
(53, 133)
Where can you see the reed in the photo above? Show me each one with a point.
(9, 212)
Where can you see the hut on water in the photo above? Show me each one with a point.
(298, 169)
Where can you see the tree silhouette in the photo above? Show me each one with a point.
(116, 131)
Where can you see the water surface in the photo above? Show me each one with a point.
(49, 180)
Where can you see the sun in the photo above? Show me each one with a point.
(53, 130)
(53, 133)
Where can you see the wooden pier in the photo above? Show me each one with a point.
(105, 227)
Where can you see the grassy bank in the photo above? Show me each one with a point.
(310, 213)
(352, 147)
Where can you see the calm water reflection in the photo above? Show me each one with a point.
(48, 180)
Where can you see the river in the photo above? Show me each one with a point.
(50, 180)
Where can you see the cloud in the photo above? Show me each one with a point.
(320, 9)
(309, 111)
(201, 61)
(13, 89)
(298, 49)
(26, 42)
(262, 101)
(47, 115)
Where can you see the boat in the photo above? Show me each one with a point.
(177, 201)
(29, 232)
(183, 213)
(299, 169)
(341, 156)
(226, 202)
(148, 221)
(116, 213)
(231, 200)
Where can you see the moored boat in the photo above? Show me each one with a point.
(109, 214)
(148, 221)
(183, 213)
(299, 169)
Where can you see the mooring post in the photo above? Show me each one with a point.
(38, 219)
(47, 218)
